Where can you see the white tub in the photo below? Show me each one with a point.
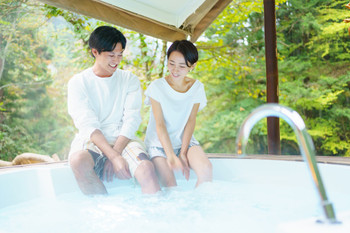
(47, 181)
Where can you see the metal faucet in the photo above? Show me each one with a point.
(306, 146)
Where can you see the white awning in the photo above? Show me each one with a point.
(164, 19)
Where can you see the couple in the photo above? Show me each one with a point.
(104, 103)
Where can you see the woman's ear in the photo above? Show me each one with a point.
(194, 65)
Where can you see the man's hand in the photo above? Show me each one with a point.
(108, 172)
(121, 167)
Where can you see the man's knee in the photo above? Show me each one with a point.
(81, 160)
(145, 170)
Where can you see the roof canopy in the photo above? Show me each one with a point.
(172, 20)
(164, 19)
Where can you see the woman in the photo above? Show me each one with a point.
(175, 101)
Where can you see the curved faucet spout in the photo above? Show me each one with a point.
(306, 146)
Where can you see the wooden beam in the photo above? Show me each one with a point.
(205, 22)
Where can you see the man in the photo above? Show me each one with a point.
(104, 103)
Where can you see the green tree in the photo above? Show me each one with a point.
(29, 119)
(232, 69)
(314, 72)
(313, 81)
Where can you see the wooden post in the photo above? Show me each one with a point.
(273, 129)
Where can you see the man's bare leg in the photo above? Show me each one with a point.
(82, 165)
(146, 176)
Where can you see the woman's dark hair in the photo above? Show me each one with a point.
(105, 38)
(187, 49)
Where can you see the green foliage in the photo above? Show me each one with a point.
(232, 68)
(233, 76)
(332, 43)
(27, 97)
(316, 27)
(81, 25)
(322, 99)
(13, 141)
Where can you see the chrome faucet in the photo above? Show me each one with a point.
(306, 146)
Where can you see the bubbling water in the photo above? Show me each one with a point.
(220, 206)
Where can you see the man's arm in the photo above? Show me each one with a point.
(131, 121)
(120, 166)
(79, 108)
(131, 110)
(121, 143)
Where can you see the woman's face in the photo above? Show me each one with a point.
(177, 65)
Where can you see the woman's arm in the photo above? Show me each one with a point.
(163, 135)
(186, 138)
(189, 129)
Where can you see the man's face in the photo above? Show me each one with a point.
(107, 62)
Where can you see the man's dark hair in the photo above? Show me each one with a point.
(187, 49)
(105, 38)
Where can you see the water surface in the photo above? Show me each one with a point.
(220, 206)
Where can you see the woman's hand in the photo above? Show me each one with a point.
(186, 170)
(175, 163)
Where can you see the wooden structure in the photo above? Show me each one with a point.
(182, 19)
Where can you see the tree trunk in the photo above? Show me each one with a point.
(8, 41)
(143, 45)
(2, 65)
(162, 58)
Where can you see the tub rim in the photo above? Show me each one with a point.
(296, 158)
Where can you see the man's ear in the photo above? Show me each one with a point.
(94, 52)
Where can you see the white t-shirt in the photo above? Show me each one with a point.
(110, 104)
(176, 107)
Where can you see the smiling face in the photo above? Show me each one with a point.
(107, 62)
(177, 66)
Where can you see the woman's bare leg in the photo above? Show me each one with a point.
(165, 174)
(201, 165)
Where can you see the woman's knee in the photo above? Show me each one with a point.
(202, 167)
(207, 166)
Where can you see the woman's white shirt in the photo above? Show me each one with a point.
(176, 107)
